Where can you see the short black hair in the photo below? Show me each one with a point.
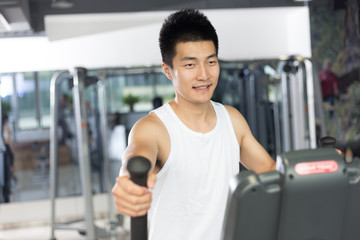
(186, 25)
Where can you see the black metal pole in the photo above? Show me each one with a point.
(138, 168)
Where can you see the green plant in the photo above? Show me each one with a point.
(131, 100)
(5, 108)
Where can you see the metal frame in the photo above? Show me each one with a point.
(105, 143)
(54, 99)
(79, 84)
(297, 93)
(79, 77)
(310, 87)
(297, 107)
(285, 123)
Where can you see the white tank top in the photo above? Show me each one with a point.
(190, 194)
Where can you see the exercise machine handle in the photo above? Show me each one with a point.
(327, 142)
(138, 168)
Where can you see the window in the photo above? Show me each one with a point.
(26, 101)
(143, 83)
(6, 92)
(44, 79)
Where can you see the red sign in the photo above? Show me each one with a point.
(308, 168)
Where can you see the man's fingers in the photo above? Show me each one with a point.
(130, 187)
(151, 180)
(130, 198)
(134, 206)
(131, 213)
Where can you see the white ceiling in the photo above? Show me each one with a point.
(26, 17)
(244, 34)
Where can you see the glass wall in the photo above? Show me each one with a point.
(6, 91)
(44, 97)
(28, 94)
(26, 99)
(30, 106)
(27, 111)
(143, 84)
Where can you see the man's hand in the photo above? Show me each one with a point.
(132, 199)
(338, 151)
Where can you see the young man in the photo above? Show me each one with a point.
(194, 145)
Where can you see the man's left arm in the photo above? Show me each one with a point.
(252, 155)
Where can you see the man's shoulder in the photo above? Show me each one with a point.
(149, 121)
(231, 110)
(148, 127)
(236, 117)
(150, 124)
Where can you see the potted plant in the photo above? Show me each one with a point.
(130, 100)
(5, 108)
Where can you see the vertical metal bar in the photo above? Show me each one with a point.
(15, 105)
(105, 143)
(302, 108)
(277, 118)
(83, 150)
(297, 110)
(311, 102)
(285, 126)
(95, 143)
(264, 123)
(305, 105)
(252, 109)
(240, 85)
(37, 100)
(54, 84)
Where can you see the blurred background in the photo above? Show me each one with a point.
(291, 68)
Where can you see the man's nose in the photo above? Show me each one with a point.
(203, 73)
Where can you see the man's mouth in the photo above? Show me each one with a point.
(202, 87)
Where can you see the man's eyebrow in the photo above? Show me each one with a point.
(188, 58)
(212, 55)
(193, 58)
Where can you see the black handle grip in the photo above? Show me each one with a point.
(327, 142)
(138, 168)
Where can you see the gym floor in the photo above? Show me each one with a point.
(44, 232)
(31, 186)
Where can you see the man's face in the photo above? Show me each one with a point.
(195, 71)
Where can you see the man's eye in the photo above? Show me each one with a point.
(212, 62)
(189, 65)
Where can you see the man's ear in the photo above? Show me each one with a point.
(167, 70)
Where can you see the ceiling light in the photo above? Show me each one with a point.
(8, 2)
(62, 4)
(4, 23)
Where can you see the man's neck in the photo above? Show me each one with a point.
(197, 117)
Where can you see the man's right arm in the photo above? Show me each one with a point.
(131, 199)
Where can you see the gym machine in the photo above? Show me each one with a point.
(78, 79)
(294, 110)
(313, 194)
(274, 102)
(244, 87)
